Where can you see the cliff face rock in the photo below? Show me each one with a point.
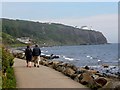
(52, 33)
(93, 37)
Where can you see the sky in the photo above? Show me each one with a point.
(102, 16)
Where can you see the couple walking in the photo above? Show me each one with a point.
(35, 54)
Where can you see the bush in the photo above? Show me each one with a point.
(8, 78)
(7, 59)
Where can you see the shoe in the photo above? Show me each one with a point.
(38, 66)
(29, 66)
(34, 65)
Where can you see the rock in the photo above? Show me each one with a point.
(20, 55)
(117, 87)
(41, 62)
(82, 70)
(69, 72)
(87, 78)
(78, 78)
(108, 85)
(50, 56)
(65, 64)
(50, 62)
(41, 58)
(95, 76)
(55, 64)
(78, 71)
(102, 81)
(71, 66)
(99, 74)
(73, 76)
(86, 67)
(105, 66)
(74, 67)
(60, 68)
(93, 71)
(45, 63)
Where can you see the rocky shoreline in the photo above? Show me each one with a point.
(84, 75)
(87, 76)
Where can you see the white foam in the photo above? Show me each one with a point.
(99, 60)
(91, 57)
(46, 51)
(70, 59)
(42, 51)
(42, 54)
(48, 55)
(88, 56)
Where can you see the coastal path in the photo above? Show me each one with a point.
(42, 77)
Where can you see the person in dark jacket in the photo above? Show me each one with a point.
(36, 54)
(28, 54)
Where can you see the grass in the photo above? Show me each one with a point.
(18, 45)
(0, 81)
(9, 80)
(8, 77)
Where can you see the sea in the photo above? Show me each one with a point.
(93, 56)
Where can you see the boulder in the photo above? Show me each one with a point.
(69, 72)
(68, 65)
(86, 67)
(60, 68)
(82, 70)
(101, 81)
(74, 67)
(93, 71)
(41, 58)
(99, 74)
(45, 63)
(117, 87)
(19, 55)
(78, 72)
(105, 65)
(50, 62)
(65, 64)
(78, 78)
(55, 64)
(50, 56)
(95, 76)
(108, 85)
(87, 78)
(73, 76)
(51, 66)
(41, 62)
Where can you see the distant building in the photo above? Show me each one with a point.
(86, 28)
(25, 40)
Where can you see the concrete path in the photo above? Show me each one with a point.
(42, 77)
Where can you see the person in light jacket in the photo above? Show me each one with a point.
(36, 55)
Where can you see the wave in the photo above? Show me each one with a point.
(70, 59)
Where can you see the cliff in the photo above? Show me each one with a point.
(51, 33)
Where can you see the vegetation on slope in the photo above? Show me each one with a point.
(8, 78)
(9, 40)
(51, 33)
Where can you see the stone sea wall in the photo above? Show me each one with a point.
(84, 75)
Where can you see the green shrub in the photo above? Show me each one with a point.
(8, 78)
(7, 59)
